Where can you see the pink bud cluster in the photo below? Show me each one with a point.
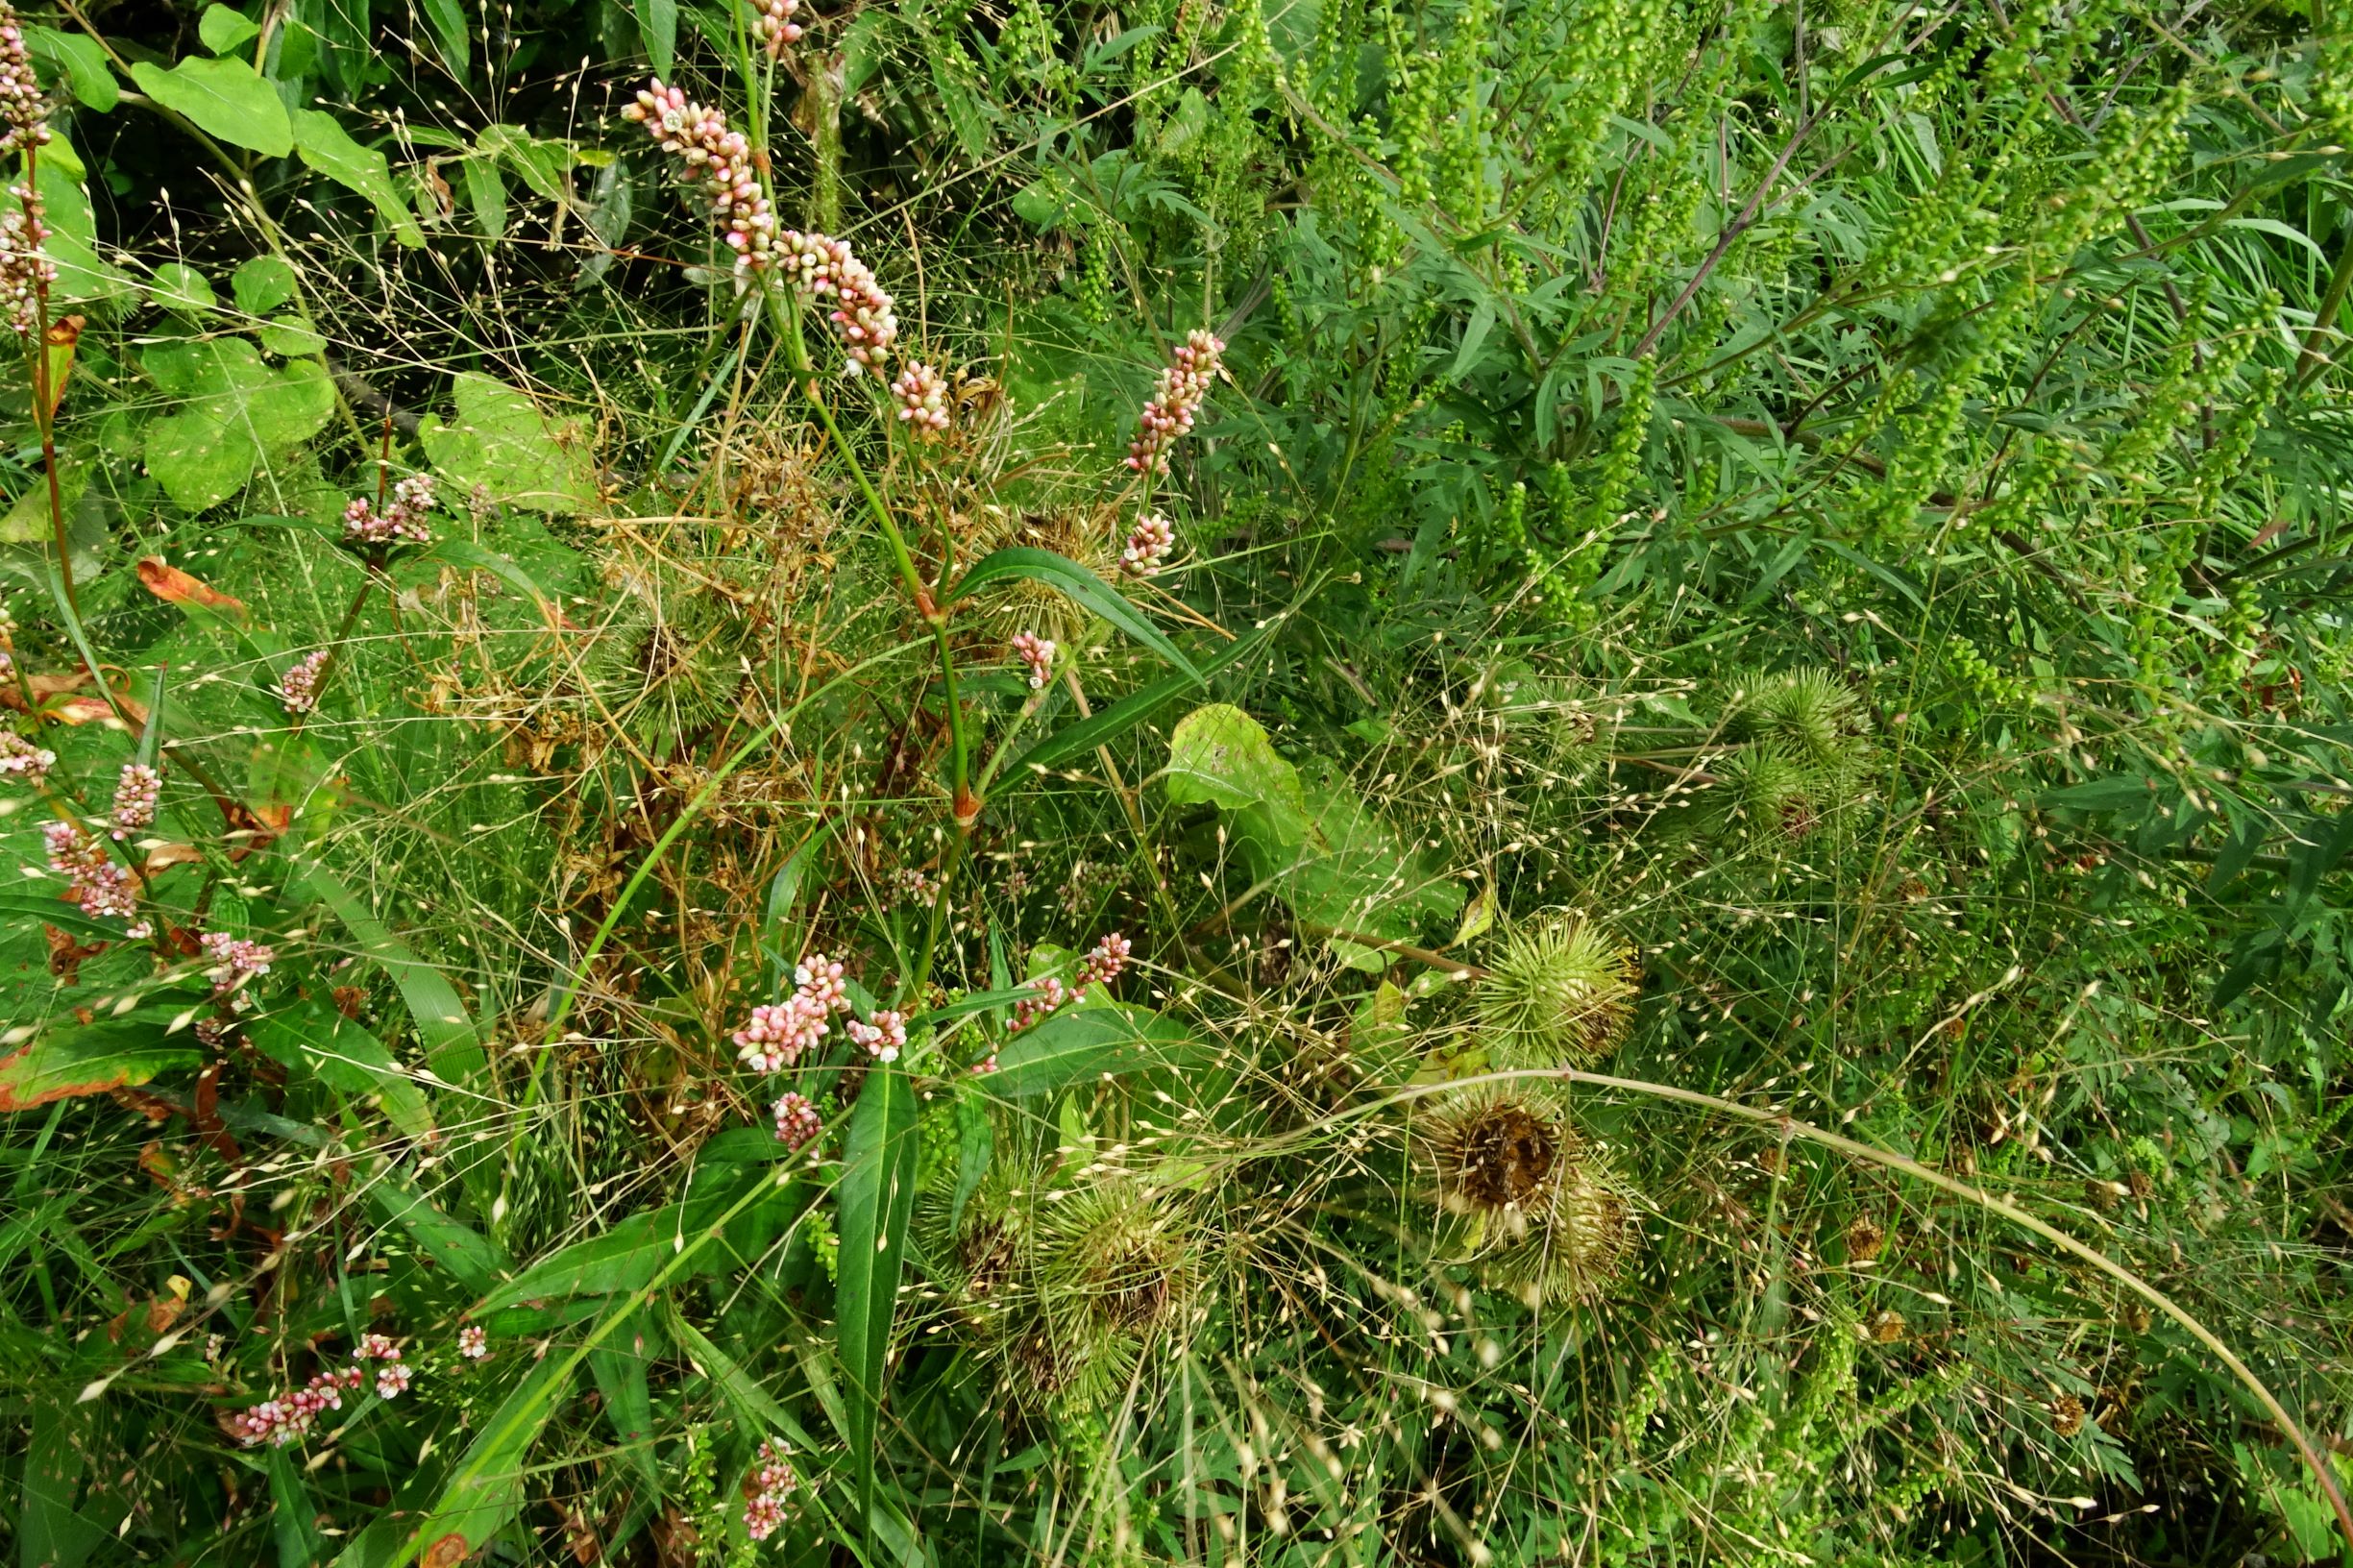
(298, 688)
(20, 758)
(1183, 388)
(473, 1344)
(1148, 544)
(281, 1421)
(863, 317)
(234, 959)
(776, 1037)
(916, 885)
(770, 1485)
(1101, 966)
(717, 163)
(405, 518)
(922, 400)
(135, 794)
(26, 271)
(93, 881)
(884, 1037)
(22, 108)
(796, 1121)
(772, 21)
(392, 1374)
(1037, 652)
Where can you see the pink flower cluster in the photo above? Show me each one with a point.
(772, 21)
(916, 885)
(26, 271)
(406, 519)
(1101, 966)
(1037, 652)
(922, 400)
(20, 758)
(796, 1121)
(236, 960)
(281, 1421)
(1148, 544)
(298, 688)
(392, 1374)
(135, 794)
(93, 881)
(884, 1037)
(22, 108)
(1183, 388)
(717, 163)
(768, 1488)
(863, 315)
(777, 1036)
(473, 1344)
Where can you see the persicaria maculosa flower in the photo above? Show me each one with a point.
(1183, 388)
(299, 689)
(717, 163)
(777, 1036)
(1148, 544)
(1038, 654)
(771, 22)
(134, 798)
(473, 1344)
(884, 1037)
(796, 1121)
(20, 758)
(767, 1490)
(922, 395)
(97, 884)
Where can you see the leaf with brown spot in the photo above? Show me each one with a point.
(94, 1059)
(170, 583)
(65, 955)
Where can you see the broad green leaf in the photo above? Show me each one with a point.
(503, 443)
(657, 28)
(876, 1199)
(1084, 1044)
(232, 415)
(1219, 754)
(975, 1148)
(81, 61)
(224, 98)
(452, 1047)
(291, 337)
(345, 1057)
(450, 30)
(1081, 586)
(261, 284)
(64, 1062)
(485, 195)
(223, 30)
(471, 1258)
(328, 148)
(485, 1489)
(184, 291)
(82, 278)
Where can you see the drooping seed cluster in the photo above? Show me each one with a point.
(20, 758)
(1148, 544)
(772, 1484)
(777, 1036)
(94, 882)
(884, 1036)
(922, 393)
(404, 520)
(1038, 654)
(299, 689)
(717, 163)
(771, 22)
(1183, 388)
(797, 1119)
(135, 794)
(818, 266)
(234, 959)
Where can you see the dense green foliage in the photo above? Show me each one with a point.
(1721, 746)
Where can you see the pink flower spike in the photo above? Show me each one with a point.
(884, 1037)
(473, 1344)
(1038, 654)
(1183, 386)
(134, 798)
(1148, 544)
(796, 1121)
(922, 395)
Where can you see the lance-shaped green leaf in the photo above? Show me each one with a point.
(877, 1198)
(1083, 1044)
(484, 1489)
(1104, 728)
(323, 1044)
(327, 147)
(1082, 586)
(452, 1050)
(80, 1058)
(473, 1260)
